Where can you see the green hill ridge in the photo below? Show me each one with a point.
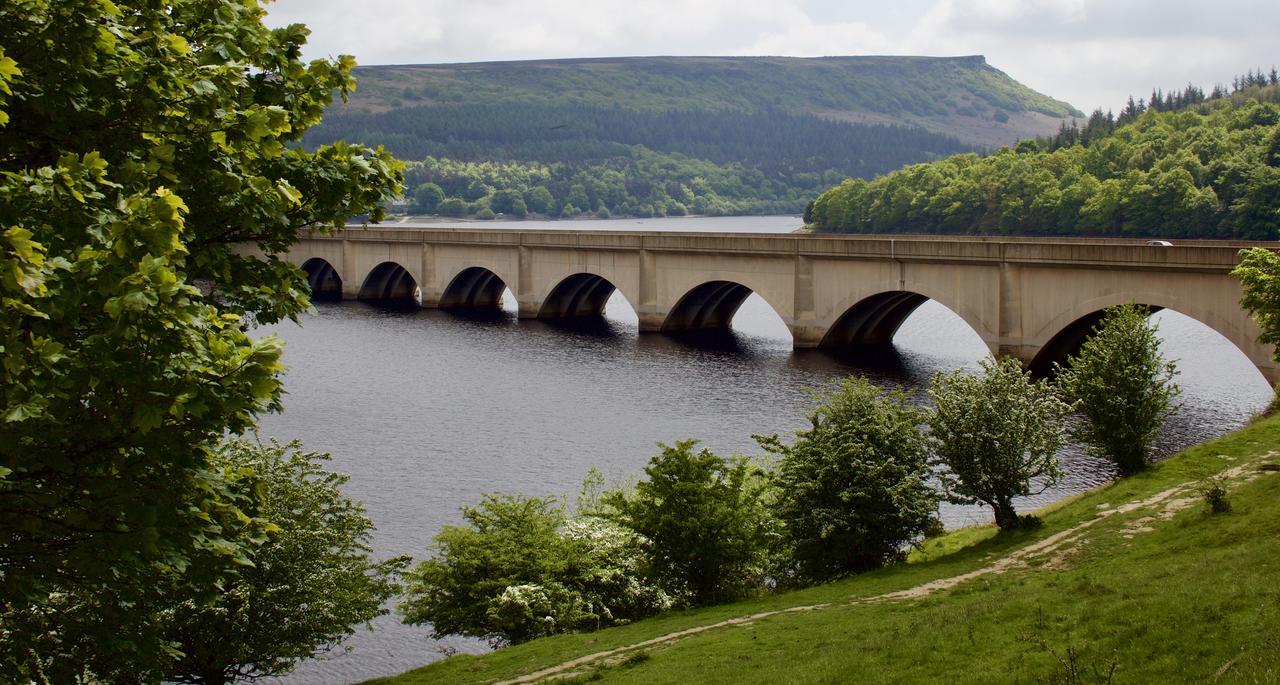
(963, 97)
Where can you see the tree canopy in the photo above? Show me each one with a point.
(996, 435)
(143, 148)
(1208, 171)
(853, 489)
(702, 520)
(310, 584)
(1122, 385)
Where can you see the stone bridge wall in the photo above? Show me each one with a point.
(1023, 297)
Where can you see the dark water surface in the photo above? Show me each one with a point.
(426, 410)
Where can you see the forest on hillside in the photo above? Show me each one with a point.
(771, 139)
(636, 163)
(1182, 165)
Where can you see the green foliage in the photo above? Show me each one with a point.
(310, 584)
(504, 201)
(427, 197)
(1122, 386)
(1199, 173)
(638, 178)
(452, 207)
(1213, 491)
(852, 490)
(508, 541)
(521, 569)
(1259, 273)
(141, 149)
(539, 199)
(703, 521)
(996, 435)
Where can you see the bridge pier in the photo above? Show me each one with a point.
(529, 310)
(806, 335)
(430, 297)
(651, 319)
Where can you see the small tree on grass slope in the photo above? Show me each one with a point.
(852, 489)
(1122, 385)
(996, 434)
(703, 521)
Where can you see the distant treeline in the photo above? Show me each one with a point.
(641, 183)
(1257, 86)
(1190, 166)
(772, 140)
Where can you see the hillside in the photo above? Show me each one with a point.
(707, 135)
(1134, 582)
(1209, 169)
(962, 97)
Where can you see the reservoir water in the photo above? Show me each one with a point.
(427, 410)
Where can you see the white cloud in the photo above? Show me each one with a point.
(1089, 52)
(1093, 53)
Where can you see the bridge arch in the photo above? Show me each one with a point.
(710, 305)
(872, 318)
(323, 279)
(581, 294)
(389, 281)
(475, 287)
(1063, 335)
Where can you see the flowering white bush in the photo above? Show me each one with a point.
(520, 569)
(523, 612)
(611, 570)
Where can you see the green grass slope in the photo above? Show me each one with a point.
(1134, 582)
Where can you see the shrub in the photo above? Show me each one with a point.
(702, 521)
(1214, 492)
(996, 435)
(1122, 386)
(518, 208)
(452, 207)
(852, 489)
(427, 198)
(520, 569)
(508, 541)
(523, 612)
(610, 571)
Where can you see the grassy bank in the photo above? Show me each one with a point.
(1134, 581)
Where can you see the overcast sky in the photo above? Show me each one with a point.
(1091, 53)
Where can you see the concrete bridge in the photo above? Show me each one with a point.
(1035, 299)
